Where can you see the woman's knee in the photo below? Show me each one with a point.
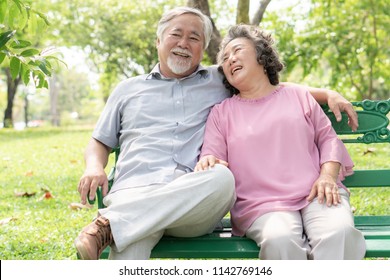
(283, 246)
(281, 240)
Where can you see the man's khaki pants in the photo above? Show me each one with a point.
(191, 205)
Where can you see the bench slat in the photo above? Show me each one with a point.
(368, 178)
(377, 248)
(372, 221)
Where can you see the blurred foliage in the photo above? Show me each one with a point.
(342, 45)
(118, 36)
(20, 22)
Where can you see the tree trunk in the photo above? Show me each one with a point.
(12, 86)
(242, 12)
(53, 91)
(26, 119)
(212, 50)
(258, 17)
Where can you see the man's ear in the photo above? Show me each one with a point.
(157, 42)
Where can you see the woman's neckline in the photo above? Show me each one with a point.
(257, 99)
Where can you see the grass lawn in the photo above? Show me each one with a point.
(51, 160)
(33, 161)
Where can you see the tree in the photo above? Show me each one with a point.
(341, 45)
(336, 44)
(355, 35)
(118, 36)
(20, 60)
(242, 16)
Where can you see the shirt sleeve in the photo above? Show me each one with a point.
(331, 148)
(214, 142)
(107, 129)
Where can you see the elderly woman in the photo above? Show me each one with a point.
(286, 158)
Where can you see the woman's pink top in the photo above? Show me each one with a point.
(275, 146)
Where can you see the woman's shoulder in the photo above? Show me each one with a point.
(226, 104)
(296, 91)
(296, 88)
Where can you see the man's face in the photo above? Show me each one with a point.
(181, 48)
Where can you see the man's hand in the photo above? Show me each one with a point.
(325, 187)
(96, 158)
(337, 104)
(90, 181)
(208, 161)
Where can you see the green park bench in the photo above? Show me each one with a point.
(373, 129)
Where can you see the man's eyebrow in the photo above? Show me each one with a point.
(178, 29)
(196, 33)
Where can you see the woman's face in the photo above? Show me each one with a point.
(239, 62)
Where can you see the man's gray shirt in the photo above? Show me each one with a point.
(158, 123)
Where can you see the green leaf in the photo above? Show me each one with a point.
(25, 73)
(30, 52)
(5, 37)
(42, 16)
(14, 67)
(40, 79)
(19, 5)
(20, 44)
(2, 56)
(44, 67)
(17, 17)
(45, 84)
(3, 9)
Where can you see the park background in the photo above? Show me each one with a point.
(60, 59)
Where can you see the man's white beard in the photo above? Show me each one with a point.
(178, 66)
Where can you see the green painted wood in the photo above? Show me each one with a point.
(233, 247)
(373, 122)
(368, 178)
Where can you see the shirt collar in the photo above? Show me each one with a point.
(156, 74)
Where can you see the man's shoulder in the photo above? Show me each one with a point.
(212, 68)
(128, 86)
(132, 81)
(135, 79)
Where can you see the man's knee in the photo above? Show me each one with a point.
(223, 178)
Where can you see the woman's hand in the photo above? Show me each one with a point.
(337, 104)
(208, 161)
(325, 187)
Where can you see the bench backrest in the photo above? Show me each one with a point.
(373, 128)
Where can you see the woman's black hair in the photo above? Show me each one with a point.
(266, 53)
